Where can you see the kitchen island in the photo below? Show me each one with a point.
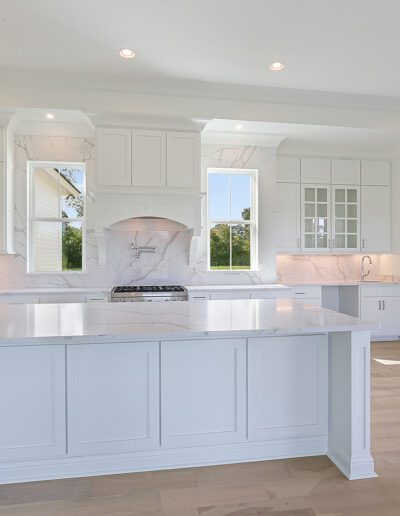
(91, 389)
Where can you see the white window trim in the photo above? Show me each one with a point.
(253, 173)
(31, 165)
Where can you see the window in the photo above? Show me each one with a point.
(232, 219)
(56, 211)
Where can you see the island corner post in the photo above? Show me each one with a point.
(349, 416)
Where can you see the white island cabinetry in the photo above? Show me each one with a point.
(147, 386)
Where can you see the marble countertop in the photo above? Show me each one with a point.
(80, 322)
(354, 283)
(227, 288)
(56, 290)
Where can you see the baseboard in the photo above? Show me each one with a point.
(362, 466)
(69, 467)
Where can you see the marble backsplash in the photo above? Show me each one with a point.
(312, 267)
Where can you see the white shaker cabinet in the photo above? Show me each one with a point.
(113, 397)
(288, 221)
(183, 160)
(375, 172)
(113, 157)
(149, 151)
(32, 403)
(300, 374)
(345, 171)
(203, 386)
(316, 170)
(375, 219)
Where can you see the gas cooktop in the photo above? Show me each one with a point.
(149, 293)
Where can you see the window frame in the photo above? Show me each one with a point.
(253, 222)
(31, 166)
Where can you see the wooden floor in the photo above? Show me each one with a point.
(295, 487)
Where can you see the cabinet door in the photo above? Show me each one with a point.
(296, 368)
(113, 397)
(345, 172)
(345, 219)
(375, 172)
(375, 219)
(288, 227)
(236, 294)
(315, 219)
(390, 316)
(203, 386)
(370, 310)
(288, 169)
(113, 156)
(316, 170)
(149, 158)
(183, 160)
(32, 404)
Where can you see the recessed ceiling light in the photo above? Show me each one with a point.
(50, 116)
(239, 127)
(276, 67)
(127, 53)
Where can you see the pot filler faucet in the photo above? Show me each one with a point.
(363, 273)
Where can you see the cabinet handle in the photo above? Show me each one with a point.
(363, 243)
(333, 243)
(329, 243)
(380, 305)
(298, 243)
(383, 304)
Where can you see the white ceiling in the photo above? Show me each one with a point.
(349, 46)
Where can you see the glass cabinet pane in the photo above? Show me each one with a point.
(316, 218)
(346, 224)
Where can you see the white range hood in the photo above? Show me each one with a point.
(123, 211)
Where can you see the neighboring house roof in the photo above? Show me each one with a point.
(65, 182)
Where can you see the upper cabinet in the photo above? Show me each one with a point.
(345, 172)
(183, 160)
(146, 159)
(316, 170)
(375, 172)
(149, 151)
(344, 205)
(114, 157)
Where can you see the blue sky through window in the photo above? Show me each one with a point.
(228, 195)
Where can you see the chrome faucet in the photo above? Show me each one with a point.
(363, 273)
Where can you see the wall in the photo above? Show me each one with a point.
(171, 263)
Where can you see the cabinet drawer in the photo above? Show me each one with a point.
(308, 291)
(102, 298)
(17, 300)
(380, 291)
(237, 294)
(64, 298)
(272, 294)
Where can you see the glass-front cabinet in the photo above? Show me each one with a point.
(345, 219)
(316, 220)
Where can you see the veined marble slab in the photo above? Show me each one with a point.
(228, 288)
(80, 322)
(56, 290)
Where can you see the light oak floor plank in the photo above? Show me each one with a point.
(296, 487)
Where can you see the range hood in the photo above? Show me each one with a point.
(147, 212)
